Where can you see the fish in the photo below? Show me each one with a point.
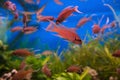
(17, 28)
(58, 2)
(47, 52)
(65, 33)
(29, 30)
(83, 21)
(116, 53)
(46, 71)
(75, 69)
(30, 1)
(45, 18)
(23, 74)
(96, 29)
(22, 53)
(65, 13)
(10, 6)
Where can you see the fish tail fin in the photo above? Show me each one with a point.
(76, 9)
(51, 27)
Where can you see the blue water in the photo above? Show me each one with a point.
(46, 40)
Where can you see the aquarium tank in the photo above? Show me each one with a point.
(59, 39)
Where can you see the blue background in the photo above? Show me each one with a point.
(46, 40)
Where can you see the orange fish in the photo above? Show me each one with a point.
(58, 2)
(46, 70)
(29, 30)
(66, 33)
(45, 18)
(75, 69)
(18, 28)
(96, 29)
(83, 21)
(22, 52)
(23, 74)
(66, 13)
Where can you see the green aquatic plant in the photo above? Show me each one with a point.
(94, 55)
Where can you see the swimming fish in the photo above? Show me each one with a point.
(17, 28)
(83, 21)
(23, 74)
(47, 52)
(75, 69)
(58, 2)
(65, 13)
(29, 30)
(10, 6)
(46, 71)
(22, 53)
(96, 29)
(45, 18)
(65, 33)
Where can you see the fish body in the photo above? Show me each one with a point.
(17, 28)
(66, 33)
(96, 29)
(83, 21)
(22, 52)
(75, 69)
(58, 2)
(46, 71)
(45, 18)
(66, 13)
(29, 30)
(23, 74)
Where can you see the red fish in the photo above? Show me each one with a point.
(58, 2)
(66, 13)
(30, 1)
(75, 69)
(46, 71)
(10, 6)
(83, 21)
(23, 74)
(45, 18)
(65, 33)
(96, 29)
(22, 52)
(18, 28)
(29, 30)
